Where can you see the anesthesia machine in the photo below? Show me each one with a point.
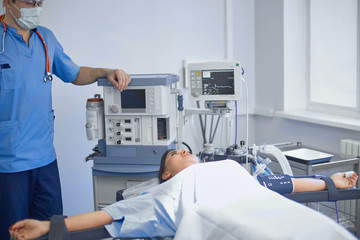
(133, 128)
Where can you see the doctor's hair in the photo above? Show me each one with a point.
(162, 165)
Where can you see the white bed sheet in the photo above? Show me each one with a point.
(218, 200)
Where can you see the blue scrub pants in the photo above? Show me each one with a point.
(29, 194)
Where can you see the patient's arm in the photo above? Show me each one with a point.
(312, 184)
(88, 220)
(341, 182)
(30, 229)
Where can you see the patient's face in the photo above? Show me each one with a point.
(176, 161)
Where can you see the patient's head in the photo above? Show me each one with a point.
(173, 162)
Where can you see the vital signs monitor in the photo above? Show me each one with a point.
(214, 81)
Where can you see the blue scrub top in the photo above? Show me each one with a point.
(26, 115)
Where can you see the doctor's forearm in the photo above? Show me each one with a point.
(88, 220)
(88, 75)
(117, 77)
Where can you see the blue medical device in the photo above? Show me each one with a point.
(138, 125)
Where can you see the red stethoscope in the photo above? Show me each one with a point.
(48, 76)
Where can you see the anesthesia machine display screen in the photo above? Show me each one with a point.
(218, 82)
(133, 98)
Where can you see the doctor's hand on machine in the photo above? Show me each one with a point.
(117, 77)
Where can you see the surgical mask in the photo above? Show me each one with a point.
(30, 17)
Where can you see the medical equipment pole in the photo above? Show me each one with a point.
(211, 127)
(181, 115)
(216, 126)
(247, 123)
(201, 124)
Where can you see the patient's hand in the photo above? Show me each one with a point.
(29, 229)
(341, 182)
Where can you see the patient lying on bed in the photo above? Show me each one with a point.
(218, 200)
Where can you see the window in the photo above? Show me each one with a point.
(333, 56)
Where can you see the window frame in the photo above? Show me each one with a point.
(327, 108)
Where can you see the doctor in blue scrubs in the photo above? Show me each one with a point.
(29, 56)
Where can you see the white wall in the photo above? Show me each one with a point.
(244, 51)
(295, 54)
(139, 36)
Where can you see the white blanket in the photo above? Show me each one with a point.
(218, 200)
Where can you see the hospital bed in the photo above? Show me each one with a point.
(323, 196)
(332, 195)
(58, 230)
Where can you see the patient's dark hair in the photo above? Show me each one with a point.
(162, 165)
